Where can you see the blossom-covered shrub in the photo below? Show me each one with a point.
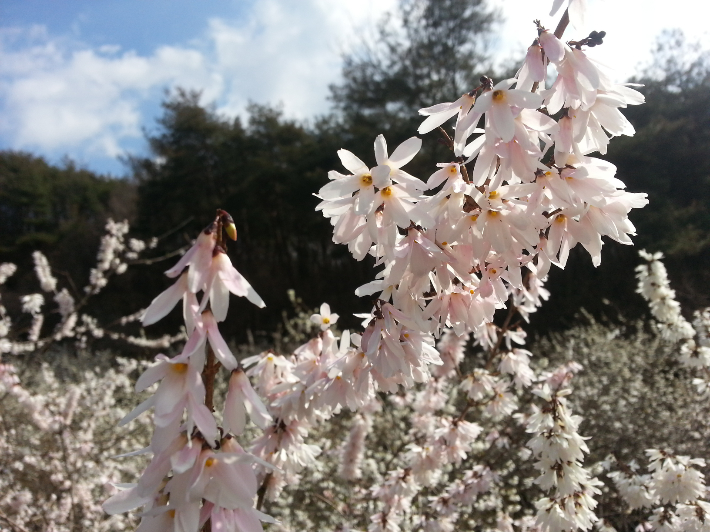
(58, 440)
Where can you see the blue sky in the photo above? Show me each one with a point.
(83, 78)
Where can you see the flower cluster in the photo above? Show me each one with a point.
(654, 286)
(57, 441)
(198, 471)
(479, 235)
(673, 489)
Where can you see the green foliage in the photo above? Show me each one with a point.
(40, 204)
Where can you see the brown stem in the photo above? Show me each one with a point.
(562, 24)
(511, 312)
(447, 139)
(261, 493)
(208, 374)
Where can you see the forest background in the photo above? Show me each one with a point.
(264, 169)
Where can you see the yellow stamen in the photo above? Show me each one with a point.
(493, 214)
(560, 218)
(493, 271)
(171, 513)
(180, 368)
(494, 195)
(452, 169)
(474, 217)
(444, 243)
(498, 96)
(210, 462)
(326, 320)
(387, 191)
(366, 180)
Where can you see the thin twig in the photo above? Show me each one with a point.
(262, 490)
(12, 523)
(159, 259)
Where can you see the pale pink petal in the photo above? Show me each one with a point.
(183, 262)
(380, 175)
(438, 108)
(137, 411)
(524, 99)
(340, 188)
(153, 374)
(554, 49)
(220, 347)
(203, 418)
(364, 200)
(351, 162)
(247, 520)
(533, 60)
(395, 209)
(235, 282)
(235, 415)
(502, 122)
(405, 152)
(435, 120)
(124, 501)
(219, 299)
(231, 488)
(256, 409)
(380, 149)
(165, 302)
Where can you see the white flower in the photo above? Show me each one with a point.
(325, 319)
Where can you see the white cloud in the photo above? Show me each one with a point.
(59, 94)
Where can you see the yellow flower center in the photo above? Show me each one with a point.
(493, 271)
(180, 368)
(366, 180)
(494, 195)
(474, 217)
(492, 214)
(210, 462)
(498, 96)
(387, 191)
(452, 170)
(560, 218)
(326, 320)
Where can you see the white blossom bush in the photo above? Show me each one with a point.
(58, 441)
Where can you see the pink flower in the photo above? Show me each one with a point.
(222, 279)
(242, 399)
(197, 259)
(498, 105)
